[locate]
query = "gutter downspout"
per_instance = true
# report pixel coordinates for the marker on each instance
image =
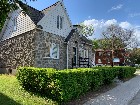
(67, 55)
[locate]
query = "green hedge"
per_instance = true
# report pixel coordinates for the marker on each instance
(126, 72)
(35, 79)
(68, 84)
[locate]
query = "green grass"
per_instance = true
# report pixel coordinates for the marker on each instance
(11, 93)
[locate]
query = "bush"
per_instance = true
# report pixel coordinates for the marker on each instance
(68, 84)
(34, 79)
(126, 72)
(121, 71)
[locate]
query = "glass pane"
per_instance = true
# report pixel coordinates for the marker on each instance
(58, 21)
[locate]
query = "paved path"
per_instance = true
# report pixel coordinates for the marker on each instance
(120, 95)
(136, 100)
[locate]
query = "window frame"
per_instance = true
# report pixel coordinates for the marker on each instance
(51, 50)
(15, 24)
(60, 20)
(100, 61)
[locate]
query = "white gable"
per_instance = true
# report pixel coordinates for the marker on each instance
(24, 24)
(49, 21)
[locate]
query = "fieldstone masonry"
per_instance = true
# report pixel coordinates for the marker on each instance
(33, 49)
(17, 51)
(76, 41)
(42, 46)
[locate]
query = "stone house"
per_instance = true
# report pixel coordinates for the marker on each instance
(44, 38)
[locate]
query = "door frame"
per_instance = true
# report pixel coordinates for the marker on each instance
(75, 53)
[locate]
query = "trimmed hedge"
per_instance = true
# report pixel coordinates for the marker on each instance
(35, 79)
(68, 84)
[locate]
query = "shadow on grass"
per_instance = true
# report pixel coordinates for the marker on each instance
(5, 100)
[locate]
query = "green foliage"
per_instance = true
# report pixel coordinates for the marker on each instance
(4, 9)
(64, 85)
(34, 79)
(122, 72)
(87, 30)
(134, 56)
(126, 72)
(8, 5)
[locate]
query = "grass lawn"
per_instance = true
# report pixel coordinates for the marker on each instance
(11, 93)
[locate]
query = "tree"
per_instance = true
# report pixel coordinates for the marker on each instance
(8, 5)
(134, 56)
(115, 37)
(96, 44)
(87, 30)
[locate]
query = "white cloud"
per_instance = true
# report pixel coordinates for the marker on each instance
(126, 25)
(134, 14)
(109, 22)
(116, 7)
(101, 25)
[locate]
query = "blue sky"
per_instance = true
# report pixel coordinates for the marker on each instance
(126, 13)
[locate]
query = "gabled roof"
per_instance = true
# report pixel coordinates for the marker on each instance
(35, 14)
(86, 40)
(70, 35)
(81, 37)
(49, 8)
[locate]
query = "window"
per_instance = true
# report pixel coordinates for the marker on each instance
(99, 61)
(108, 53)
(55, 51)
(85, 53)
(51, 51)
(59, 22)
(15, 24)
(108, 60)
(100, 53)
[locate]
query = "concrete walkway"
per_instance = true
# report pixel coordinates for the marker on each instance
(136, 100)
(120, 95)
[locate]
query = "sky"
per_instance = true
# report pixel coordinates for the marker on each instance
(99, 13)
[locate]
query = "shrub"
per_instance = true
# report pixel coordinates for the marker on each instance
(34, 79)
(65, 85)
(126, 72)
(69, 84)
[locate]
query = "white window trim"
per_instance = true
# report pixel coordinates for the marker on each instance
(15, 23)
(51, 50)
(60, 22)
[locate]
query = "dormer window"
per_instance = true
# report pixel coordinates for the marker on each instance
(15, 24)
(59, 22)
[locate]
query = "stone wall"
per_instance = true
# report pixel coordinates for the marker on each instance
(31, 48)
(76, 41)
(17, 51)
(42, 42)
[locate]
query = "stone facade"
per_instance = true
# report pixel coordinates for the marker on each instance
(78, 43)
(31, 48)
(17, 51)
(42, 46)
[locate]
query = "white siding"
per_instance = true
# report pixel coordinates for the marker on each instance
(49, 21)
(24, 24)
